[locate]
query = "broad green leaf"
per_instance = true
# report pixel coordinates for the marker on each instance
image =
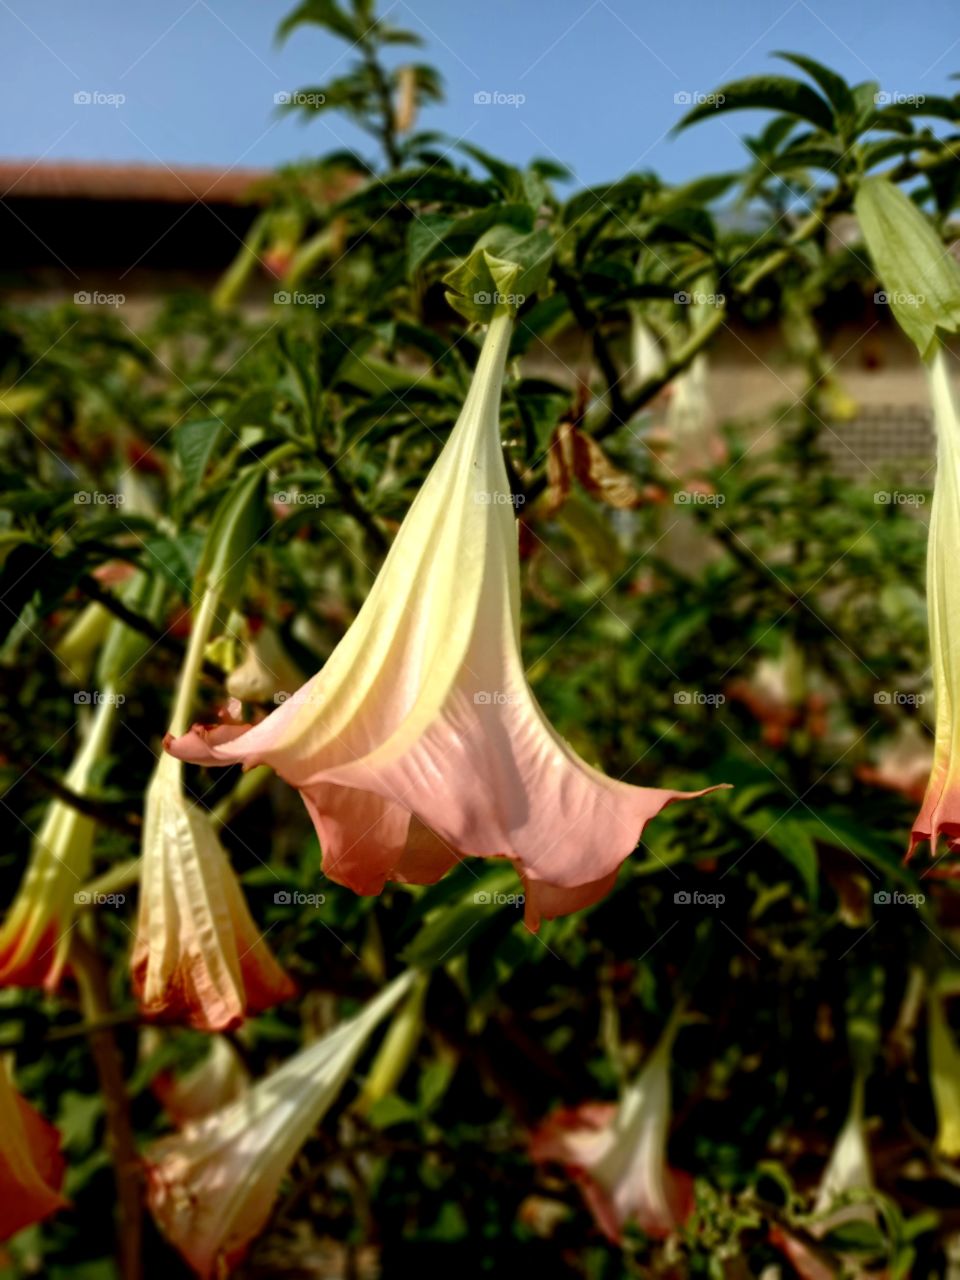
(777, 93)
(234, 531)
(195, 444)
(920, 277)
(833, 85)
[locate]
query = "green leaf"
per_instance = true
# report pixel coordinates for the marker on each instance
(451, 928)
(833, 85)
(777, 93)
(425, 236)
(919, 275)
(234, 531)
(320, 13)
(195, 444)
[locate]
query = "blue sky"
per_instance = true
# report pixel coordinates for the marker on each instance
(599, 77)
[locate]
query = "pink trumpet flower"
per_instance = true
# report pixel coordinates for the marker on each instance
(211, 1187)
(617, 1154)
(420, 739)
(31, 1166)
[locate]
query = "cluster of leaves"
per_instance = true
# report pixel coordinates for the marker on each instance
(629, 605)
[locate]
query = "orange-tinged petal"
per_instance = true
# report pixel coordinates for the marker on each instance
(31, 1167)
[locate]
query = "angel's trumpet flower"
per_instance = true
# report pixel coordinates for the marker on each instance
(618, 1154)
(420, 739)
(212, 1186)
(848, 1172)
(31, 1167)
(940, 812)
(35, 936)
(198, 956)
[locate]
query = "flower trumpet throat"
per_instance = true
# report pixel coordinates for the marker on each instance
(420, 740)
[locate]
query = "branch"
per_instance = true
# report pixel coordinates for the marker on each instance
(95, 1002)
